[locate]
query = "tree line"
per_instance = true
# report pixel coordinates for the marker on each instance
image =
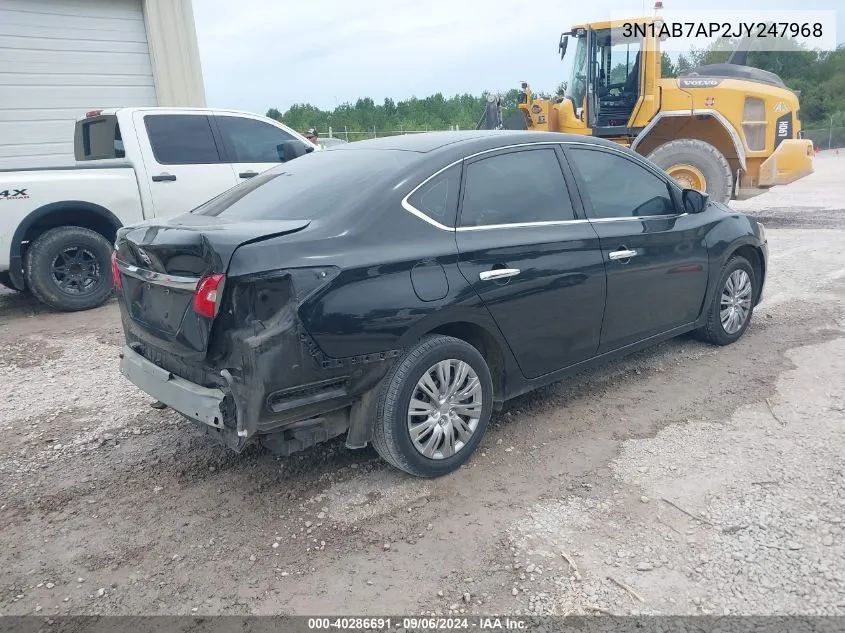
(819, 76)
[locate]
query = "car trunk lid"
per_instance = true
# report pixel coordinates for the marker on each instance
(162, 262)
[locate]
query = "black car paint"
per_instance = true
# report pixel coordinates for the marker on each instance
(395, 277)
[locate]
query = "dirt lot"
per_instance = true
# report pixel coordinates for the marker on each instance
(685, 479)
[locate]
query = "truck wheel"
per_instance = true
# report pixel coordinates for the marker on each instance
(69, 268)
(434, 406)
(696, 164)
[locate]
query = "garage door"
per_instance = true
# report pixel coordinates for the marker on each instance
(59, 59)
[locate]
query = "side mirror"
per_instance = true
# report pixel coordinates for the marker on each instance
(564, 41)
(694, 200)
(288, 150)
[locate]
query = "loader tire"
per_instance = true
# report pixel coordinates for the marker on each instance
(690, 161)
(69, 268)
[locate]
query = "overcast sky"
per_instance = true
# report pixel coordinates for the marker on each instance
(258, 54)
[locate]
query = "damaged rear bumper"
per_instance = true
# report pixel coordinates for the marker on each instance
(201, 404)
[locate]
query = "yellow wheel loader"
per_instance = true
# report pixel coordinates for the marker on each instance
(728, 129)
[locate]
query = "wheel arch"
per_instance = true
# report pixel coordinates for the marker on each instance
(709, 126)
(487, 345)
(67, 213)
(754, 255)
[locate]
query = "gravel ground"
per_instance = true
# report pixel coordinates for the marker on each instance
(685, 479)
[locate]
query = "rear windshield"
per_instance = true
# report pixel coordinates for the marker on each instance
(98, 139)
(314, 185)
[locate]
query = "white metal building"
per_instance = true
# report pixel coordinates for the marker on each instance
(62, 58)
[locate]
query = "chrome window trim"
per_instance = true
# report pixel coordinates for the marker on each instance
(422, 216)
(488, 227)
(160, 279)
(641, 218)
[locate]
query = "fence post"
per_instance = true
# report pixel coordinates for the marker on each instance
(330, 132)
(830, 134)
(346, 133)
(374, 132)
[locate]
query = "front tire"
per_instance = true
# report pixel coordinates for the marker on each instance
(732, 304)
(434, 407)
(69, 268)
(696, 164)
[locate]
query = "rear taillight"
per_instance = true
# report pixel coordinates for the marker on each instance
(207, 295)
(115, 271)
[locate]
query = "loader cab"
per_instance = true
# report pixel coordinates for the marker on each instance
(605, 81)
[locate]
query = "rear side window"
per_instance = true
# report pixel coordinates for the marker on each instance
(620, 188)
(252, 141)
(438, 198)
(517, 187)
(182, 139)
(98, 139)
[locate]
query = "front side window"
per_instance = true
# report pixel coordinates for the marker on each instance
(576, 87)
(182, 139)
(438, 198)
(619, 61)
(252, 141)
(517, 187)
(620, 188)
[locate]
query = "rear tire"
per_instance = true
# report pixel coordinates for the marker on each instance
(69, 268)
(737, 287)
(463, 417)
(704, 158)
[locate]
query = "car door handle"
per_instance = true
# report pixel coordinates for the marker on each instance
(498, 273)
(622, 254)
(164, 178)
(248, 174)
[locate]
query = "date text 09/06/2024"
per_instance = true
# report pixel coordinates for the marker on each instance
(722, 29)
(418, 623)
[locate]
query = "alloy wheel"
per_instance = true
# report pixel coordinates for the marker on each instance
(75, 270)
(735, 305)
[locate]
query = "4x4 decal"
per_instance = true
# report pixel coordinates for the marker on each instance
(14, 194)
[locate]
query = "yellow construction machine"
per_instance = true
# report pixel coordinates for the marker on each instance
(728, 129)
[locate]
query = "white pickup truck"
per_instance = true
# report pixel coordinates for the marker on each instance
(57, 225)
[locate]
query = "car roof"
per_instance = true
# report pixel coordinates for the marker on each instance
(468, 140)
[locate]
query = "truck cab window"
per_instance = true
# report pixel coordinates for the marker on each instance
(617, 79)
(182, 139)
(251, 141)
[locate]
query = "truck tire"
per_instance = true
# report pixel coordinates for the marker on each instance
(696, 164)
(69, 268)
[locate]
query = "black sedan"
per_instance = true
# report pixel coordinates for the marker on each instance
(400, 289)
